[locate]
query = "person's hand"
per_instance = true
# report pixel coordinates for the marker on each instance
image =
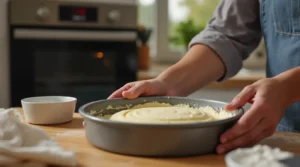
(151, 87)
(269, 98)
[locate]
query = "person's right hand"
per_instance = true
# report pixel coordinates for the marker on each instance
(152, 87)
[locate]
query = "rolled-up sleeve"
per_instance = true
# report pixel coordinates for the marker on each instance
(233, 33)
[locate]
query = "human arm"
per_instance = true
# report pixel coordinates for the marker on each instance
(197, 68)
(215, 54)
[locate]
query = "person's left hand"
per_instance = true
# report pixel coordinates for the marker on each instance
(269, 98)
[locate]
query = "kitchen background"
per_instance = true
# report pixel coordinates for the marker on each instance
(164, 30)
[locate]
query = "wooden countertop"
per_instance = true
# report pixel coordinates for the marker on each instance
(243, 78)
(71, 136)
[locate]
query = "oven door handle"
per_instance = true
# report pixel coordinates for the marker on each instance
(21, 33)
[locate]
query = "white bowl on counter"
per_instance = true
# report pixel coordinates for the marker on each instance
(257, 156)
(45, 110)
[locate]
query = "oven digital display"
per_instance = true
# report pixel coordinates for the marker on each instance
(78, 14)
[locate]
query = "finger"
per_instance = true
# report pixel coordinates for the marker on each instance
(242, 98)
(135, 91)
(252, 100)
(245, 140)
(244, 124)
(118, 93)
(83, 124)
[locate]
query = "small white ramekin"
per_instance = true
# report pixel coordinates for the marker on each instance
(45, 110)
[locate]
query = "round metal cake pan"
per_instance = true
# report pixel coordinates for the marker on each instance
(154, 139)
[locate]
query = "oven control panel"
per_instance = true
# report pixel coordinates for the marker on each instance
(74, 13)
(114, 16)
(78, 13)
(43, 12)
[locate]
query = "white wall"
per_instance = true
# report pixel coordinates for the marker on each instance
(4, 89)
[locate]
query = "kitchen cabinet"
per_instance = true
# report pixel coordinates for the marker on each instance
(4, 72)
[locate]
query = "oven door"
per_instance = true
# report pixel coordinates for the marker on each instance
(88, 65)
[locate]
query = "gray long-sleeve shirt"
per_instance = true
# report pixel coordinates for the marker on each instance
(233, 33)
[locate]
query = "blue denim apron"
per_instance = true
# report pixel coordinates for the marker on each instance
(280, 20)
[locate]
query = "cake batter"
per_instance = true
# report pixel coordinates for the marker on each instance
(166, 113)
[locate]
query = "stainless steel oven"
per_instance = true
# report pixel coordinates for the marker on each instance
(85, 49)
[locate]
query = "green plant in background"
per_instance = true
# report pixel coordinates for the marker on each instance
(184, 32)
(200, 12)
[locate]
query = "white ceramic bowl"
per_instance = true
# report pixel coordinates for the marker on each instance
(257, 156)
(49, 109)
